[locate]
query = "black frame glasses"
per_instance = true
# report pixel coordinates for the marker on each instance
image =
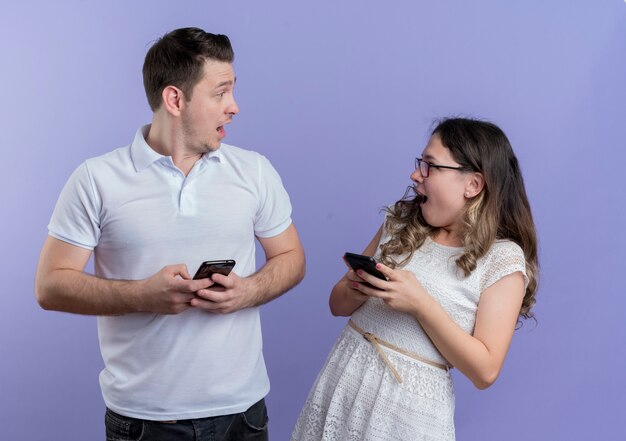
(425, 167)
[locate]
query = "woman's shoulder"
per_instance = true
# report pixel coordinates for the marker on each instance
(504, 257)
(501, 246)
(502, 252)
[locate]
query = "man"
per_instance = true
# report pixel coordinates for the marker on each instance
(183, 358)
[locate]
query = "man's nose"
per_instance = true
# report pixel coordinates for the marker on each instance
(233, 108)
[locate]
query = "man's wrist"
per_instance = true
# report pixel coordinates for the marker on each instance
(135, 298)
(252, 291)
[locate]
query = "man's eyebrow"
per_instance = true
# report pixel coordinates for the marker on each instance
(226, 83)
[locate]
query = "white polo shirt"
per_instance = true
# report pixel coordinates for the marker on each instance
(139, 213)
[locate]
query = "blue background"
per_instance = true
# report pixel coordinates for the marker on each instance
(340, 96)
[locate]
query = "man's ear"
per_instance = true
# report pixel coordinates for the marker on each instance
(173, 100)
(475, 185)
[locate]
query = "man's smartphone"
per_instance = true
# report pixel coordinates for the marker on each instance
(365, 263)
(210, 267)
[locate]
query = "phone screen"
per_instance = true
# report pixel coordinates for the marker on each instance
(365, 263)
(210, 267)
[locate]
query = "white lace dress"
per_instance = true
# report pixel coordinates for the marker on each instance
(357, 398)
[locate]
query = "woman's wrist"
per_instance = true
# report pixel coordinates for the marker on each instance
(421, 305)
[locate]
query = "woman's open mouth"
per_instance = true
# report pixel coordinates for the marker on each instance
(420, 197)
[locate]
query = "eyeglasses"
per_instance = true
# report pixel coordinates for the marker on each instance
(425, 167)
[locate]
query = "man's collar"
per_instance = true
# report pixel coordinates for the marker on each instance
(141, 153)
(214, 155)
(143, 156)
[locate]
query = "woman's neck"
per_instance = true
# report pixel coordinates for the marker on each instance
(447, 237)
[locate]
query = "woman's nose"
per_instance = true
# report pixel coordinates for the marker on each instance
(417, 176)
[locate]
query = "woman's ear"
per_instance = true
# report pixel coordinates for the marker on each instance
(474, 185)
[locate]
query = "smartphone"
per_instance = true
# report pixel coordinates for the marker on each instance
(365, 263)
(210, 267)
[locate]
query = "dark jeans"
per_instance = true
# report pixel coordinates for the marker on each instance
(250, 425)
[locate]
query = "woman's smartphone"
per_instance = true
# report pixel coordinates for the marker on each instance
(365, 263)
(210, 267)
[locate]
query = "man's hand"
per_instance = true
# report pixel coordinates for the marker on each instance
(234, 294)
(284, 267)
(170, 291)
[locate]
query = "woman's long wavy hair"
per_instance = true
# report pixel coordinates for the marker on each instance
(500, 211)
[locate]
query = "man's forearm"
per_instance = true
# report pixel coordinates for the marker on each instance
(277, 276)
(80, 293)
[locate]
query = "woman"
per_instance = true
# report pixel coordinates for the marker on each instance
(460, 258)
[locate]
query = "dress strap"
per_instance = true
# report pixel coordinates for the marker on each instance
(377, 343)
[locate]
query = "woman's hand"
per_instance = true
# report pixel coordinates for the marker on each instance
(344, 299)
(401, 291)
(354, 280)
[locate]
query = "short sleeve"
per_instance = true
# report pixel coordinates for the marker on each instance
(76, 217)
(274, 213)
(504, 258)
